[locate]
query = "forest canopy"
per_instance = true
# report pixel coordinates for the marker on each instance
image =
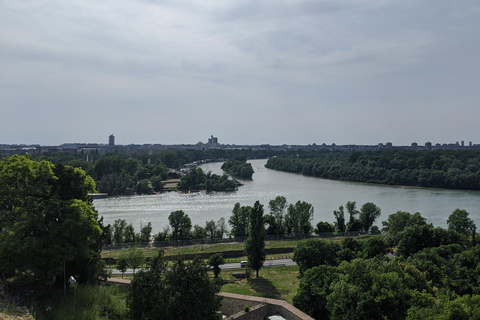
(449, 169)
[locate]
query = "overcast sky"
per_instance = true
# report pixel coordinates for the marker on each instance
(248, 72)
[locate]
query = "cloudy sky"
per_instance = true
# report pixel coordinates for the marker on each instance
(248, 72)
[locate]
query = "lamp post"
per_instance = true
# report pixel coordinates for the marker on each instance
(73, 282)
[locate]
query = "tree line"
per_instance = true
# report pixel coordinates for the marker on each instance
(452, 169)
(118, 173)
(283, 218)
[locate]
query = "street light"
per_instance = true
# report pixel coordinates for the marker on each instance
(73, 282)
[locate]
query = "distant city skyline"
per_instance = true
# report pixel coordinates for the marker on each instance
(214, 140)
(278, 72)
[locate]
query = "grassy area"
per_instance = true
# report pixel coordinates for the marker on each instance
(92, 303)
(276, 283)
(170, 184)
(213, 248)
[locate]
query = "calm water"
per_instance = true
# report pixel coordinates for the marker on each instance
(325, 195)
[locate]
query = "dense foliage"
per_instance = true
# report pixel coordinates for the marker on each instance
(181, 291)
(452, 169)
(196, 179)
(239, 167)
(48, 225)
(435, 275)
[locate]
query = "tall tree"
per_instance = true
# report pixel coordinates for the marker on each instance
(145, 232)
(299, 218)
(278, 206)
(239, 220)
(119, 230)
(368, 214)
(181, 225)
(255, 244)
(354, 224)
(47, 222)
(461, 223)
(211, 228)
(305, 213)
(340, 217)
(221, 227)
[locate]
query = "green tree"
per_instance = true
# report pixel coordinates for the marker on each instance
(415, 238)
(324, 227)
(461, 223)
(314, 252)
(119, 230)
(130, 236)
(375, 246)
(368, 214)
(181, 225)
(221, 227)
(48, 225)
(255, 244)
(157, 183)
(314, 289)
(239, 220)
(340, 217)
(299, 218)
(354, 224)
(277, 207)
(397, 222)
(211, 229)
(199, 232)
(375, 289)
(133, 257)
(215, 261)
(122, 264)
(145, 232)
(183, 291)
(143, 187)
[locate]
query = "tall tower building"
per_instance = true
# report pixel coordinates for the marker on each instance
(111, 140)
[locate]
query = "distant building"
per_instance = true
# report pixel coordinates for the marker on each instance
(212, 143)
(111, 140)
(213, 140)
(428, 146)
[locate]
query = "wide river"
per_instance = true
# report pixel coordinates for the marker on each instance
(325, 196)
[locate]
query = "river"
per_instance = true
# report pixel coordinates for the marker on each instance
(325, 196)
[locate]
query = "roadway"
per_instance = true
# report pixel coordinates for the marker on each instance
(230, 266)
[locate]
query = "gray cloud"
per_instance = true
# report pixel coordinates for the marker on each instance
(246, 71)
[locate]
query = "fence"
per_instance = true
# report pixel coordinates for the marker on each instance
(191, 242)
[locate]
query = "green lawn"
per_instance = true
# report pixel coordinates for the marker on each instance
(276, 283)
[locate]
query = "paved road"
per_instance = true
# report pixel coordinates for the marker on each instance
(231, 266)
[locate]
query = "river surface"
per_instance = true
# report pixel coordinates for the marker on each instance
(325, 196)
